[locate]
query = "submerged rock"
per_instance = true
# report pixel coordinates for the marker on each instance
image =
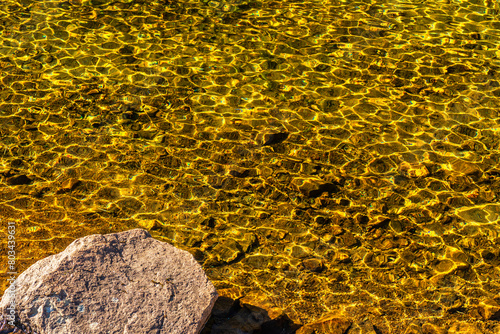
(332, 324)
(116, 283)
(270, 139)
(315, 188)
(19, 180)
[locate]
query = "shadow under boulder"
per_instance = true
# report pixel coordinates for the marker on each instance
(231, 316)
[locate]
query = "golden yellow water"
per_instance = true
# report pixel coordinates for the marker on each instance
(317, 157)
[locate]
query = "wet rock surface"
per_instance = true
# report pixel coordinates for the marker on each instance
(126, 282)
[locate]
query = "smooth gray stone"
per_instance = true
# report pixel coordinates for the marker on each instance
(127, 283)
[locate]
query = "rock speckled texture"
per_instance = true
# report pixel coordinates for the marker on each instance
(127, 283)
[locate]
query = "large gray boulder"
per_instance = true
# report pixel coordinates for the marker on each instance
(127, 283)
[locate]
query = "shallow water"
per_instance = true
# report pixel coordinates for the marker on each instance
(317, 157)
